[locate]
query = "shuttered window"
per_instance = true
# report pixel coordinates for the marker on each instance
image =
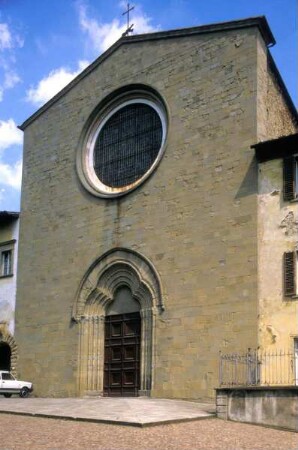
(290, 183)
(290, 269)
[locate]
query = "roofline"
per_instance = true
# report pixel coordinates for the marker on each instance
(9, 215)
(260, 22)
(280, 81)
(276, 148)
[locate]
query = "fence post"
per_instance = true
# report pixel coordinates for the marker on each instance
(220, 368)
(248, 359)
(259, 359)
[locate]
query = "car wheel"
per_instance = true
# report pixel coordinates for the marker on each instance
(7, 395)
(24, 392)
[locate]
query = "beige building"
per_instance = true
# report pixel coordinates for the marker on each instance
(278, 244)
(9, 235)
(144, 244)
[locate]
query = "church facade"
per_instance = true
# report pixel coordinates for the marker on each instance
(139, 242)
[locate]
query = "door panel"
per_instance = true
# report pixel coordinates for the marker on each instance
(122, 355)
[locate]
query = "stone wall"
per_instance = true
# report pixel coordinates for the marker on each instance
(274, 117)
(195, 218)
(275, 407)
(280, 120)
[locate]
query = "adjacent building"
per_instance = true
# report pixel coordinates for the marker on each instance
(278, 243)
(9, 234)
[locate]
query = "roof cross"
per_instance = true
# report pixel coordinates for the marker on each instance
(129, 28)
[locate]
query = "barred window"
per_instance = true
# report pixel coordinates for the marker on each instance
(127, 145)
(124, 143)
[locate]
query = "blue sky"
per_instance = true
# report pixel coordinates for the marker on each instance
(44, 44)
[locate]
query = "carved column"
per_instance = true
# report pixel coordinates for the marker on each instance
(91, 354)
(146, 351)
(83, 355)
(97, 356)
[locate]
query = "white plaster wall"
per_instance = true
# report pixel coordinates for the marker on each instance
(277, 233)
(8, 285)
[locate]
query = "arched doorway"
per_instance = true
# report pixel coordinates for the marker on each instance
(5, 356)
(120, 283)
(8, 350)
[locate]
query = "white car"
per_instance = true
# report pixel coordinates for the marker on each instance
(9, 385)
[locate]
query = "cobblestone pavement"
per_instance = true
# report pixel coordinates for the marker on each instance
(24, 433)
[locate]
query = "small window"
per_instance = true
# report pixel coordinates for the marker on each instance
(6, 258)
(290, 178)
(290, 274)
(6, 263)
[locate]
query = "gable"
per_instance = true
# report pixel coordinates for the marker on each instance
(258, 22)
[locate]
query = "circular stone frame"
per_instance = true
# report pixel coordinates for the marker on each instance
(98, 119)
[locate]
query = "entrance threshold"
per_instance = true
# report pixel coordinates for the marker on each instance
(138, 411)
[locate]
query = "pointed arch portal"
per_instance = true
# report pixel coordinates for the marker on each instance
(115, 271)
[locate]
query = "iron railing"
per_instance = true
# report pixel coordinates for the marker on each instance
(259, 368)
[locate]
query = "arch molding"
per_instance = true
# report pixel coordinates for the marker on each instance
(116, 268)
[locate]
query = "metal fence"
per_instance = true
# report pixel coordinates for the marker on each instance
(259, 368)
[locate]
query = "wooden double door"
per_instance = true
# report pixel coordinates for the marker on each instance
(122, 355)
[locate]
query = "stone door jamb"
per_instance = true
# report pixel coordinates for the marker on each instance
(117, 268)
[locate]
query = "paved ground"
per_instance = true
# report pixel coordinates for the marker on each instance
(130, 411)
(32, 433)
(26, 432)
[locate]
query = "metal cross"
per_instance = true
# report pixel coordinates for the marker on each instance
(129, 28)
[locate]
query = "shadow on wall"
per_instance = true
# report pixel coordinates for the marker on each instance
(249, 185)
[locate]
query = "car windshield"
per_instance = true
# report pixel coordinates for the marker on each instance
(7, 376)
